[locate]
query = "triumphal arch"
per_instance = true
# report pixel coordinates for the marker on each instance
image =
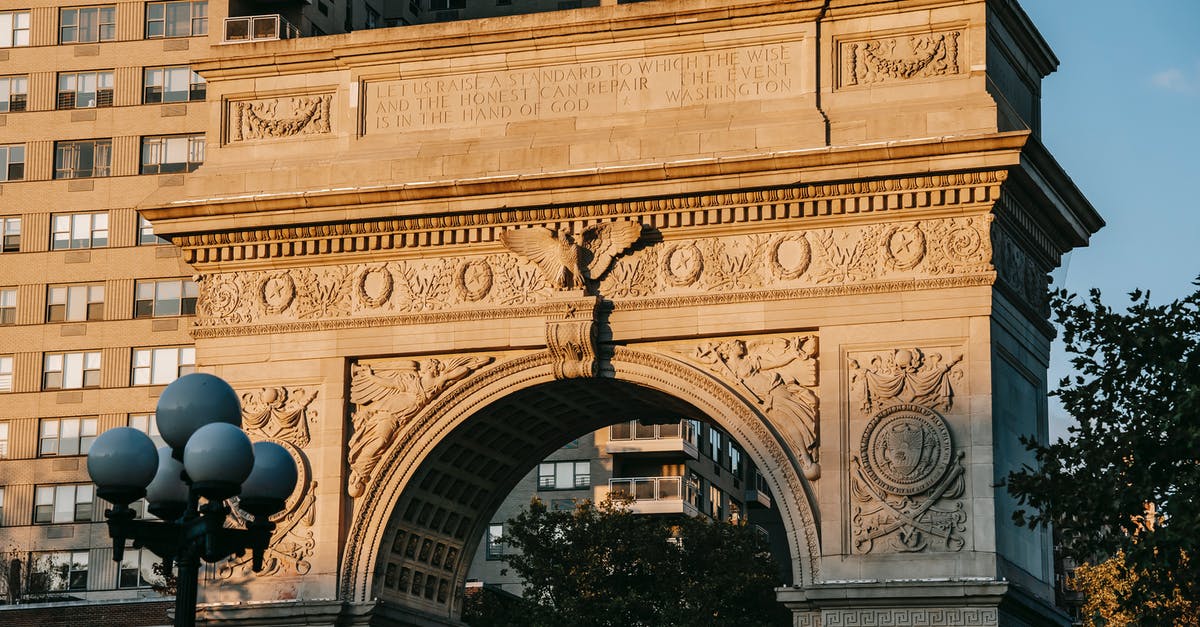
(429, 256)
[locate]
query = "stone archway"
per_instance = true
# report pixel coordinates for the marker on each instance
(406, 506)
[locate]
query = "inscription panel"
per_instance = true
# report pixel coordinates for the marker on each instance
(600, 88)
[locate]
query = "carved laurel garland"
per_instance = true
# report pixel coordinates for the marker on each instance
(901, 57)
(766, 205)
(786, 265)
(276, 118)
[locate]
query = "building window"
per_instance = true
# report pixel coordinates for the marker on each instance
(62, 503)
(79, 230)
(12, 162)
(66, 436)
(6, 375)
(85, 25)
(172, 84)
(82, 159)
(174, 153)
(74, 303)
(57, 571)
(8, 306)
(495, 541)
(186, 18)
(2, 499)
(564, 475)
(155, 299)
(160, 366)
(148, 424)
(714, 445)
(137, 569)
(70, 371)
(3, 448)
(14, 93)
(146, 233)
(85, 90)
(14, 29)
(12, 235)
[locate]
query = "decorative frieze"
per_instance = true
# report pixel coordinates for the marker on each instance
(900, 57)
(906, 617)
(387, 394)
(568, 262)
(863, 257)
(277, 118)
(907, 478)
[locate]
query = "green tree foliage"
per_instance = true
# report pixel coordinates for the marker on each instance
(601, 565)
(1136, 397)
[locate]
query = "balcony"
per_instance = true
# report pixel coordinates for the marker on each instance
(251, 28)
(657, 495)
(635, 436)
(757, 493)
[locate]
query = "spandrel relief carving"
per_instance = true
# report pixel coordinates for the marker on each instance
(907, 478)
(275, 118)
(281, 415)
(777, 374)
(854, 259)
(387, 394)
(899, 58)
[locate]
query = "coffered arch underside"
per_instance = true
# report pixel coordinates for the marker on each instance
(646, 378)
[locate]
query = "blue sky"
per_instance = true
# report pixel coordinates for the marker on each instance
(1122, 116)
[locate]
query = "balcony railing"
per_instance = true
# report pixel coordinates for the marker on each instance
(634, 436)
(657, 495)
(251, 28)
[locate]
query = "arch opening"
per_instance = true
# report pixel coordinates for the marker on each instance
(434, 500)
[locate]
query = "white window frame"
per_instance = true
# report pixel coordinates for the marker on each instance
(172, 84)
(138, 563)
(75, 303)
(66, 437)
(3, 447)
(551, 474)
(12, 235)
(98, 30)
(10, 88)
(47, 509)
(60, 569)
(82, 158)
(84, 90)
(165, 298)
(160, 365)
(146, 236)
(167, 154)
(14, 29)
(156, 19)
(495, 542)
(8, 306)
(148, 424)
(78, 230)
(75, 370)
(12, 162)
(6, 373)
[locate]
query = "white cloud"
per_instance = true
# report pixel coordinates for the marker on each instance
(1177, 80)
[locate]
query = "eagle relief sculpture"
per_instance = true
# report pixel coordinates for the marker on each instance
(568, 262)
(388, 395)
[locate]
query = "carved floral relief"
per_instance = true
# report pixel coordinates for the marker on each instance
(386, 395)
(282, 415)
(901, 57)
(276, 118)
(780, 376)
(907, 478)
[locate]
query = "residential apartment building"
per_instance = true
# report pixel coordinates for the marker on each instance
(685, 468)
(99, 108)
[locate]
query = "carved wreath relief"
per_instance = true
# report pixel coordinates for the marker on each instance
(275, 118)
(544, 263)
(387, 395)
(906, 477)
(282, 415)
(902, 57)
(779, 375)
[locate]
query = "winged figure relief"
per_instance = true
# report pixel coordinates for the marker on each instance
(567, 261)
(388, 395)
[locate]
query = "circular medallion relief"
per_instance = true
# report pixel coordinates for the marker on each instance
(963, 244)
(474, 279)
(905, 247)
(222, 297)
(906, 449)
(682, 264)
(375, 286)
(278, 291)
(789, 256)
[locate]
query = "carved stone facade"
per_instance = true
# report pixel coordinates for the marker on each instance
(907, 476)
(900, 57)
(276, 118)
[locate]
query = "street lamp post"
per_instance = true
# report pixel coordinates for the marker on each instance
(188, 484)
